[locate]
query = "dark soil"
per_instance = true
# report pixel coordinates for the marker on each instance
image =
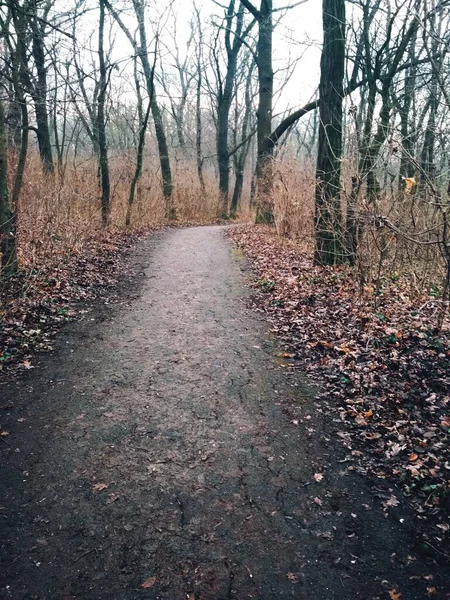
(166, 449)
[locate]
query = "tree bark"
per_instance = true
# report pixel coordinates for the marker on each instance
(7, 216)
(101, 122)
(328, 218)
(39, 93)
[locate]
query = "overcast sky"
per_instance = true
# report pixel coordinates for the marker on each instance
(297, 36)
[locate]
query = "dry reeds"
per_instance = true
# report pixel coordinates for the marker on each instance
(57, 215)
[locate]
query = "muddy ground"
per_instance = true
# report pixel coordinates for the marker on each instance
(167, 450)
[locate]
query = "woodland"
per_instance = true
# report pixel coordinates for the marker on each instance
(118, 117)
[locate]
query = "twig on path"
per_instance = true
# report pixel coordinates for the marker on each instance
(436, 550)
(85, 554)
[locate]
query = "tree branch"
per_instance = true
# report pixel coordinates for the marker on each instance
(251, 9)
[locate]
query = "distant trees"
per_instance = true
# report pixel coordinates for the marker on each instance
(109, 80)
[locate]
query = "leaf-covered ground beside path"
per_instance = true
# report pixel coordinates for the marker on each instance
(383, 370)
(35, 303)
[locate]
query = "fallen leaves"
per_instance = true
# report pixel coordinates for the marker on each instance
(150, 582)
(293, 578)
(395, 594)
(42, 298)
(392, 502)
(445, 422)
(99, 487)
(383, 369)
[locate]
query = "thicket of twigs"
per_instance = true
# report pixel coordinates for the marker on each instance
(403, 237)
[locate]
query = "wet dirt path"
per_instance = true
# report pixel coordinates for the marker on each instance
(164, 442)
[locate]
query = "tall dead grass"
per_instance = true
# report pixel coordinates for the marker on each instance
(61, 216)
(294, 186)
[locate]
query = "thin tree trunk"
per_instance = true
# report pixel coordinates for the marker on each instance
(224, 101)
(240, 157)
(101, 122)
(139, 162)
(7, 216)
(198, 133)
(156, 112)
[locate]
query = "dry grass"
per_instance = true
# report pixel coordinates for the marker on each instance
(294, 198)
(403, 245)
(60, 216)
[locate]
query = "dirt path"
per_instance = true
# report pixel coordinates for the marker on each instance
(165, 442)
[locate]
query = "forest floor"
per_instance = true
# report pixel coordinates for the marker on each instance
(170, 447)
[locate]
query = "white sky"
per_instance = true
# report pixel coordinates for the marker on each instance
(297, 36)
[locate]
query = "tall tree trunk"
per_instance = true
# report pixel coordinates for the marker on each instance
(265, 76)
(264, 161)
(7, 216)
(407, 125)
(40, 93)
(198, 131)
(264, 172)
(18, 76)
(225, 99)
(101, 122)
(161, 140)
(328, 218)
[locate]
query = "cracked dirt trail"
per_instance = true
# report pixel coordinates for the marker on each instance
(154, 445)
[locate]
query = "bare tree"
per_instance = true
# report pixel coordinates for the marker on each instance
(8, 247)
(100, 122)
(329, 239)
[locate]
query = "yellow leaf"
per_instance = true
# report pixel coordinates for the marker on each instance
(395, 594)
(445, 422)
(410, 184)
(4, 433)
(413, 456)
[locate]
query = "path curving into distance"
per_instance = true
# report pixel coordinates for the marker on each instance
(166, 443)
